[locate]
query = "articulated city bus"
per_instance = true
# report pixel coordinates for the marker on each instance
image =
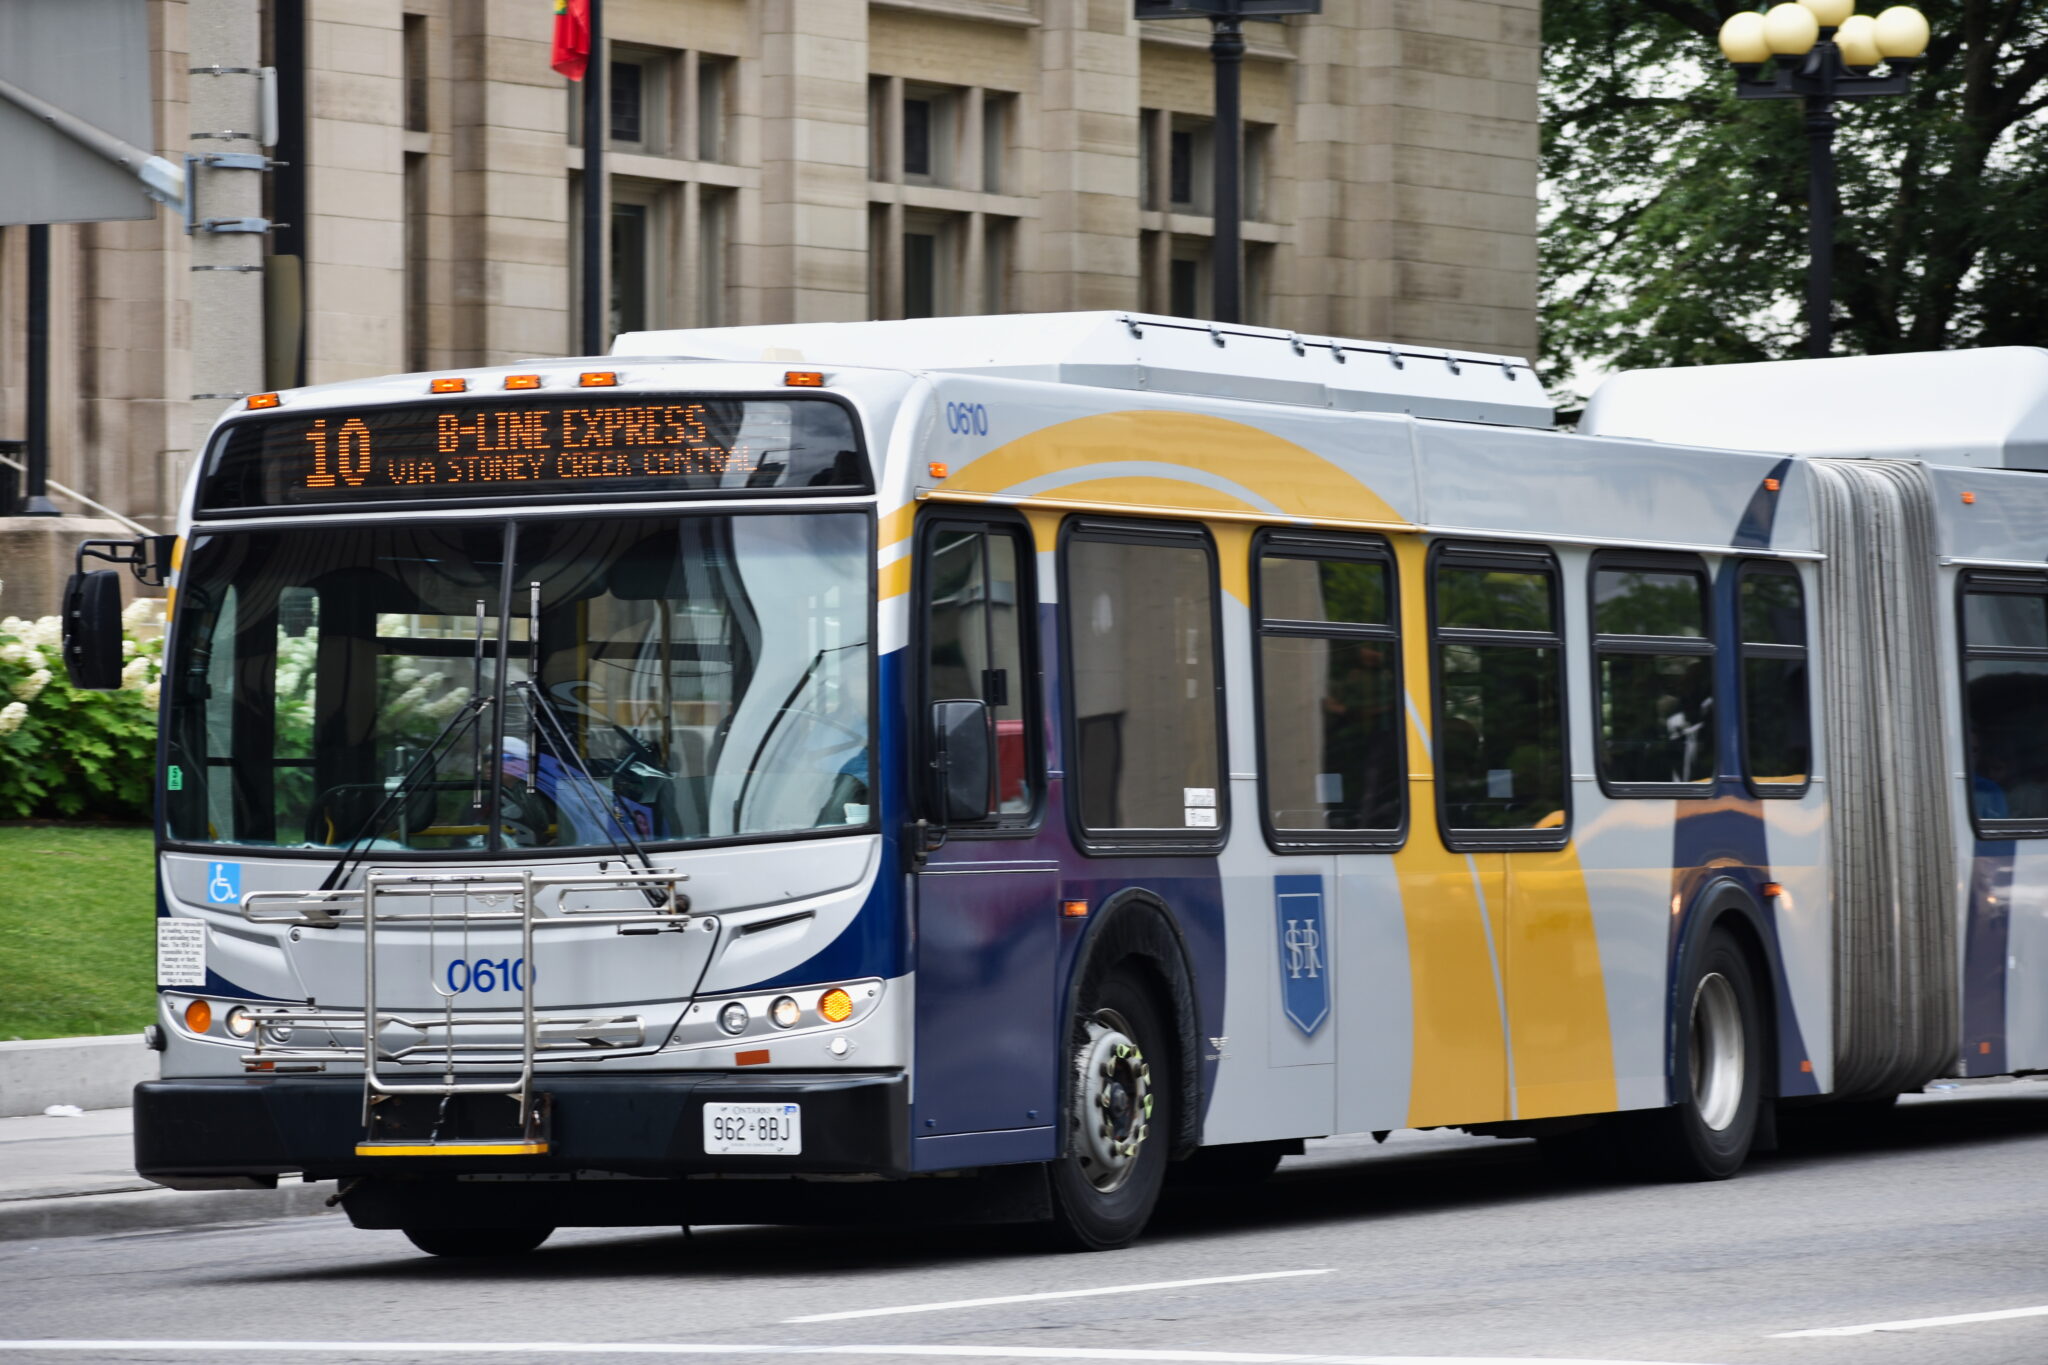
(974, 765)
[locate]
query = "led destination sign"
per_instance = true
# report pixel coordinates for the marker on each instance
(560, 445)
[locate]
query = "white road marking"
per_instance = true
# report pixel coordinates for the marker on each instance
(1054, 1294)
(1912, 1324)
(710, 1348)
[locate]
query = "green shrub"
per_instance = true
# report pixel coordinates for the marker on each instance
(69, 754)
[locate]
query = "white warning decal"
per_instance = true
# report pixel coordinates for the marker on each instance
(180, 952)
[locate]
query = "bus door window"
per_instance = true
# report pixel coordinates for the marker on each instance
(1140, 616)
(1777, 735)
(1653, 671)
(1500, 734)
(978, 643)
(2005, 702)
(1330, 721)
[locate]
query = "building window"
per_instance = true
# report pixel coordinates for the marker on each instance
(917, 137)
(632, 253)
(920, 274)
(1187, 279)
(1330, 704)
(1653, 666)
(2005, 701)
(1140, 611)
(417, 266)
(628, 104)
(1500, 739)
(978, 645)
(1777, 737)
(1257, 172)
(1190, 162)
(414, 39)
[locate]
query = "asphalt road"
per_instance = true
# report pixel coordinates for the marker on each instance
(1434, 1246)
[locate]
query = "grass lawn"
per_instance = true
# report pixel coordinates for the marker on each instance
(77, 931)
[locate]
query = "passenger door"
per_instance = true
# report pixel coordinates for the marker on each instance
(987, 912)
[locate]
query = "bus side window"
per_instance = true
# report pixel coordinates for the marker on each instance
(1331, 762)
(1777, 733)
(977, 645)
(1500, 738)
(1653, 676)
(1140, 607)
(2005, 702)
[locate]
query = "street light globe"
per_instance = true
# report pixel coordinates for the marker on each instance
(1830, 13)
(1902, 32)
(1857, 38)
(1742, 39)
(1790, 29)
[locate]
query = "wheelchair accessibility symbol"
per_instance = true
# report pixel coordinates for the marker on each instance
(224, 884)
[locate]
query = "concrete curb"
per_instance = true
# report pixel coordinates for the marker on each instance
(88, 1215)
(92, 1073)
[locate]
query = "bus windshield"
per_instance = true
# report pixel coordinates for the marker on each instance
(698, 677)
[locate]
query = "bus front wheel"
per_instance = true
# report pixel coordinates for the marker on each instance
(1106, 1185)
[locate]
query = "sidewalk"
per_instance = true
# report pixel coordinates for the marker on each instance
(75, 1177)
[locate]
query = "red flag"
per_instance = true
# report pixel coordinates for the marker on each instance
(572, 38)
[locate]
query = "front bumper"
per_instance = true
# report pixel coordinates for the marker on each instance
(212, 1129)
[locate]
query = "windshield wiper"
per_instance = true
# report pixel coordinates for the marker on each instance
(618, 831)
(426, 763)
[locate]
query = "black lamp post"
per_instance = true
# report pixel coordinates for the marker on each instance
(1226, 53)
(1823, 52)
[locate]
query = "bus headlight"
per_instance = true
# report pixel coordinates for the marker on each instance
(241, 1023)
(785, 1012)
(733, 1018)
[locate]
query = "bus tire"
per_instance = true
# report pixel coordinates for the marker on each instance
(1119, 1121)
(1717, 1072)
(477, 1242)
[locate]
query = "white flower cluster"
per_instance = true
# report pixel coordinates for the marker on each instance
(45, 632)
(11, 716)
(31, 687)
(135, 674)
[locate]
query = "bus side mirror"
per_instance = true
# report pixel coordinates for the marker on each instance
(963, 760)
(92, 630)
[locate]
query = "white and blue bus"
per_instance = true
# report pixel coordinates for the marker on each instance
(974, 765)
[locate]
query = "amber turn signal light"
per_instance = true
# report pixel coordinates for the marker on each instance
(836, 1006)
(199, 1016)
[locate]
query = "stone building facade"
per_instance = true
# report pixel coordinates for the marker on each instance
(810, 160)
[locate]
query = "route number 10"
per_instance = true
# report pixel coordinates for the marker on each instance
(353, 450)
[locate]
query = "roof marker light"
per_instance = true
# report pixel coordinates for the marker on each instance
(457, 385)
(804, 379)
(522, 381)
(262, 400)
(598, 379)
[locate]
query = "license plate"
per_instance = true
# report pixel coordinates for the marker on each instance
(753, 1129)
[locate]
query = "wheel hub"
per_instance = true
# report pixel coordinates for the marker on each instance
(1718, 1053)
(1115, 1101)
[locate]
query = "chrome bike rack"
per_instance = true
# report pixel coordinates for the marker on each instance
(500, 897)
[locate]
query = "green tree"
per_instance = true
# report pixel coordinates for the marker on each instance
(1675, 216)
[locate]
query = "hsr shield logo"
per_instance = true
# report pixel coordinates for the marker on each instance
(1304, 961)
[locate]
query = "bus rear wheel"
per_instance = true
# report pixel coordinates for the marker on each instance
(477, 1242)
(1718, 1073)
(1106, 1185)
